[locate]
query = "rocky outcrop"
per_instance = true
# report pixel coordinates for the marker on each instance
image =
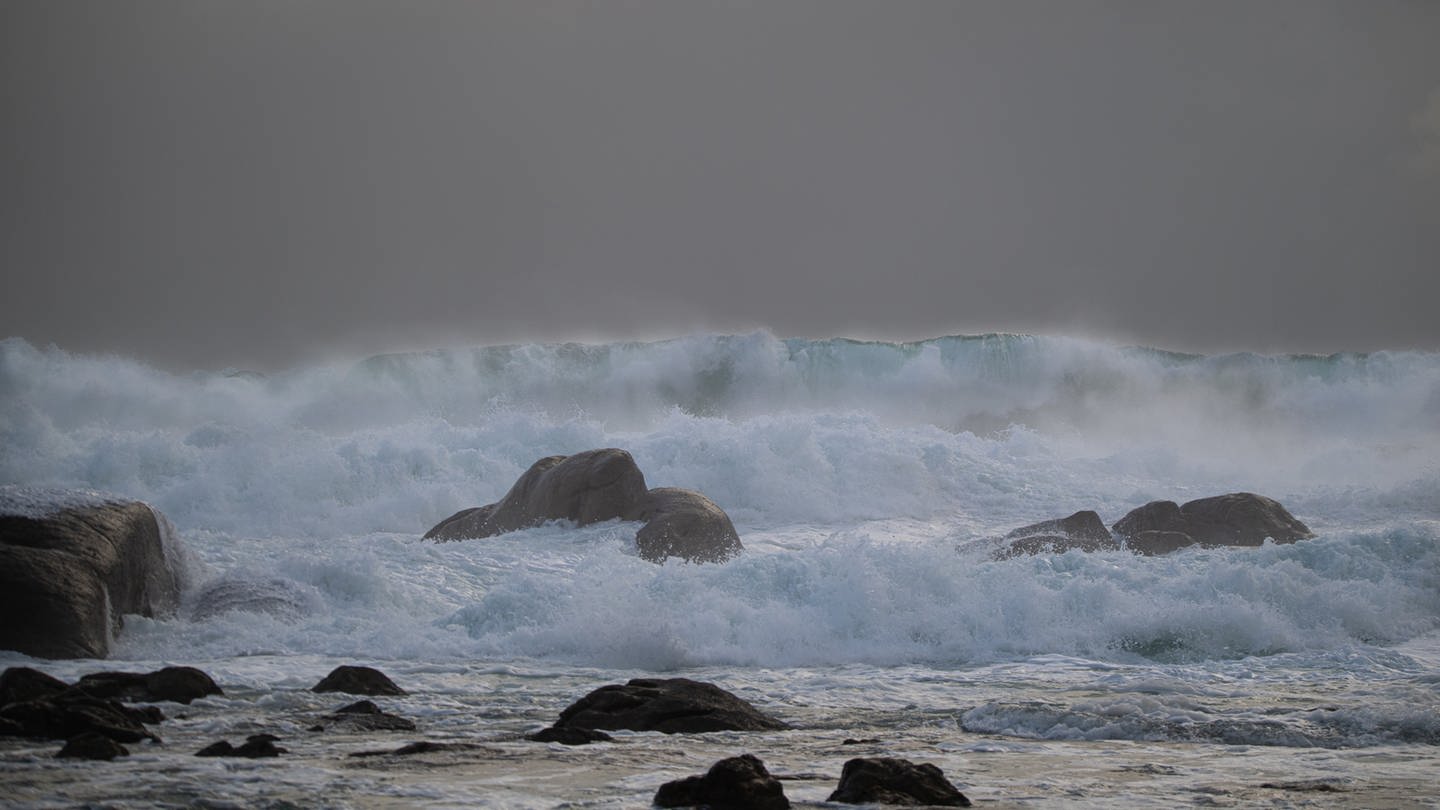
(1082, 530)
(736, 783)
(354, 680)
(599, 485)
(178, 684)
(73, 564)
(73, 713)
(585, 488)
(672, 706)
(891, 781)
(683, 523)
(1160, 527)
(1236, 519)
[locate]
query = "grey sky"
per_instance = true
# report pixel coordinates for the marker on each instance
(252, 183)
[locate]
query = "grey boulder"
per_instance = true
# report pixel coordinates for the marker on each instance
(683, 523)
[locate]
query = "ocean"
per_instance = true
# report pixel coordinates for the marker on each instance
(865, 479)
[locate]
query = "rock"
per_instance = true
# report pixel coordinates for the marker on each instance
(19, 684)
(421, 747)
(256, 746)
(73, 564)
(683, 523)
(73, 713)
(177, 684)
(366, 716)
(1083, 531)
(736, 783)
(585, 488)
(92, 746)
(886, 780)
(569, 736)
(357, 681)
(601, 485)
(272, 597)
(1236, 519)
(672, 706)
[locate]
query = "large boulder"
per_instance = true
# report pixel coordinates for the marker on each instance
(177, 684)
(1083, 531)
(1236, 519)
(683, 523)
(586, 488)
(893, 781)
(734, 783)
(671, 706)
(73, 563)
(599, 485)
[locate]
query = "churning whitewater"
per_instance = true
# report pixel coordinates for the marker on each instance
(865, 479)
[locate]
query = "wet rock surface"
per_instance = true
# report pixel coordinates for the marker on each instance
(736, 783)
(893, 781)
(356, 680)
(672, 706)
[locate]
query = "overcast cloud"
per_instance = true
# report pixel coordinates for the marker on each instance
(253, 183)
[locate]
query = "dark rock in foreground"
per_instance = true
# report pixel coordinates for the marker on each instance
(366, 716)
(256, 746)
(672, 706)
(599, 485)
(421, 747)
(19, 684)
(1236, 519)
(354, 680)
(886, 780)
(74, 713)
(178, 684)
(736, 783)
(74, 571)
(569, 736)
(92, 746)
(1082, 530)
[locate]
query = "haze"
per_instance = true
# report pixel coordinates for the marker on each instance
(204, 184)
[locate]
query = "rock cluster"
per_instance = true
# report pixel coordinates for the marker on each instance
(599, 485)
(36, 705)
(1160, 527)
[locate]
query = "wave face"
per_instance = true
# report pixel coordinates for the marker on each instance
(858, 474)
(780, 431)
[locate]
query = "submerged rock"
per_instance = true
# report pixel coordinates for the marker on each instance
(91, 745)
(598, 485)
(355, 680)
(1083, 531)
(736, 783)
(887, 780)
(1236, 519)
(73, 713)
(366, 716)
(256, 746)
(569, 736)
(73, 563)
(177, 684)
(672, 706)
